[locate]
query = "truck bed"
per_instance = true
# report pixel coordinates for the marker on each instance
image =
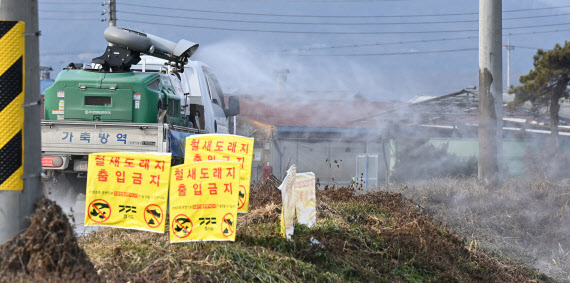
(84, 137)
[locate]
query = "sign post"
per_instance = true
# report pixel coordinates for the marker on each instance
(20, 173)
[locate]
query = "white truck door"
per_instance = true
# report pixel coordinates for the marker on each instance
(217, 102)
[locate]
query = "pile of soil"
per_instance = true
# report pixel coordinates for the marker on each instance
(46, 251)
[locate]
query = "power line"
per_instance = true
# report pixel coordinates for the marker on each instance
(296, 23)
(536, 9)
(70, 3)
(526, 47)
(329, 23)
(64, 19)
(302, 32)
(536, 16)
(331, 16)
(290, 15)
(538, 26)
(379, 44)
(335, 32)
(71, 12)
(307, 23)
(69, 53)
(537, 32)
(412, 41)
(390, 54)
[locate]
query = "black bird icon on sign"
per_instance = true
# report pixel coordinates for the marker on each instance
(101, 205)
(154, 212)
(95, 212)
(180, 222)
(230, 222)
(241, 195)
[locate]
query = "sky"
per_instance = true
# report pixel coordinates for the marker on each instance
(382, 50)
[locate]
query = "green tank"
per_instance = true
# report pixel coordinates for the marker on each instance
(136, 97)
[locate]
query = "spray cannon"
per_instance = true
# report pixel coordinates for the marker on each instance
(127, 45)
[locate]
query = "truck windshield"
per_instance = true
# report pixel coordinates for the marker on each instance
(214, 88)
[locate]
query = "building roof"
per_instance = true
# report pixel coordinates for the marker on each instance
(291, 111)
(45, 84)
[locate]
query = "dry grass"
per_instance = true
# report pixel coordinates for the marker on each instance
(523, 220)
(357, 237)
(369, 237)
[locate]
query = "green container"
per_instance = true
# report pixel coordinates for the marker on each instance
(83, 95)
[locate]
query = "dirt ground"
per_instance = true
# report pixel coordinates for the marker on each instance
(379, 236)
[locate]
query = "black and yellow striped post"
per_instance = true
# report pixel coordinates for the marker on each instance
(11, 100)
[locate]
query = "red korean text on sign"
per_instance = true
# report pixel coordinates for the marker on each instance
(120, 176)
(115, 161)
(219, 146)
(232, 146)
(231, 172)
(191, 174)
(99, 160)
(207, 145)
(155, 180)
(102, 175)
(144, 163)
(197, 189)
(179, 174)
(195, 144)
(244, 148)
(218, 172)
(129, 162)
(204, 173)
(159, 165)
(229, 188)
(241, 160)
(137, 178)
(182, 190)
(213, 188)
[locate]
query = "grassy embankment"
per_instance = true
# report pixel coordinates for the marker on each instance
(371, 237)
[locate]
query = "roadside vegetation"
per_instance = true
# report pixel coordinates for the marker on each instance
(377, 236)
(524, 220)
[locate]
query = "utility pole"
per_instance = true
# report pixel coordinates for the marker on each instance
(490, 90)
(509, 47)
(17, 205)
(112, 11)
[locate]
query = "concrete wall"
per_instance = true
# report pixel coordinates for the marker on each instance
(333, 162)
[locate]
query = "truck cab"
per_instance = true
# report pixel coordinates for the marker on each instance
(202, 93)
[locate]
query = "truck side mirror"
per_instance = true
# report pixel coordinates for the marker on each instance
(233, 109)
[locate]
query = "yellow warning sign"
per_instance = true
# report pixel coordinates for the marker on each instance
(226, 148)
(127, 190)
(203, 201)
(11, 100)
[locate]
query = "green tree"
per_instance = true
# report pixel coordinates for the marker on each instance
(546, 84)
